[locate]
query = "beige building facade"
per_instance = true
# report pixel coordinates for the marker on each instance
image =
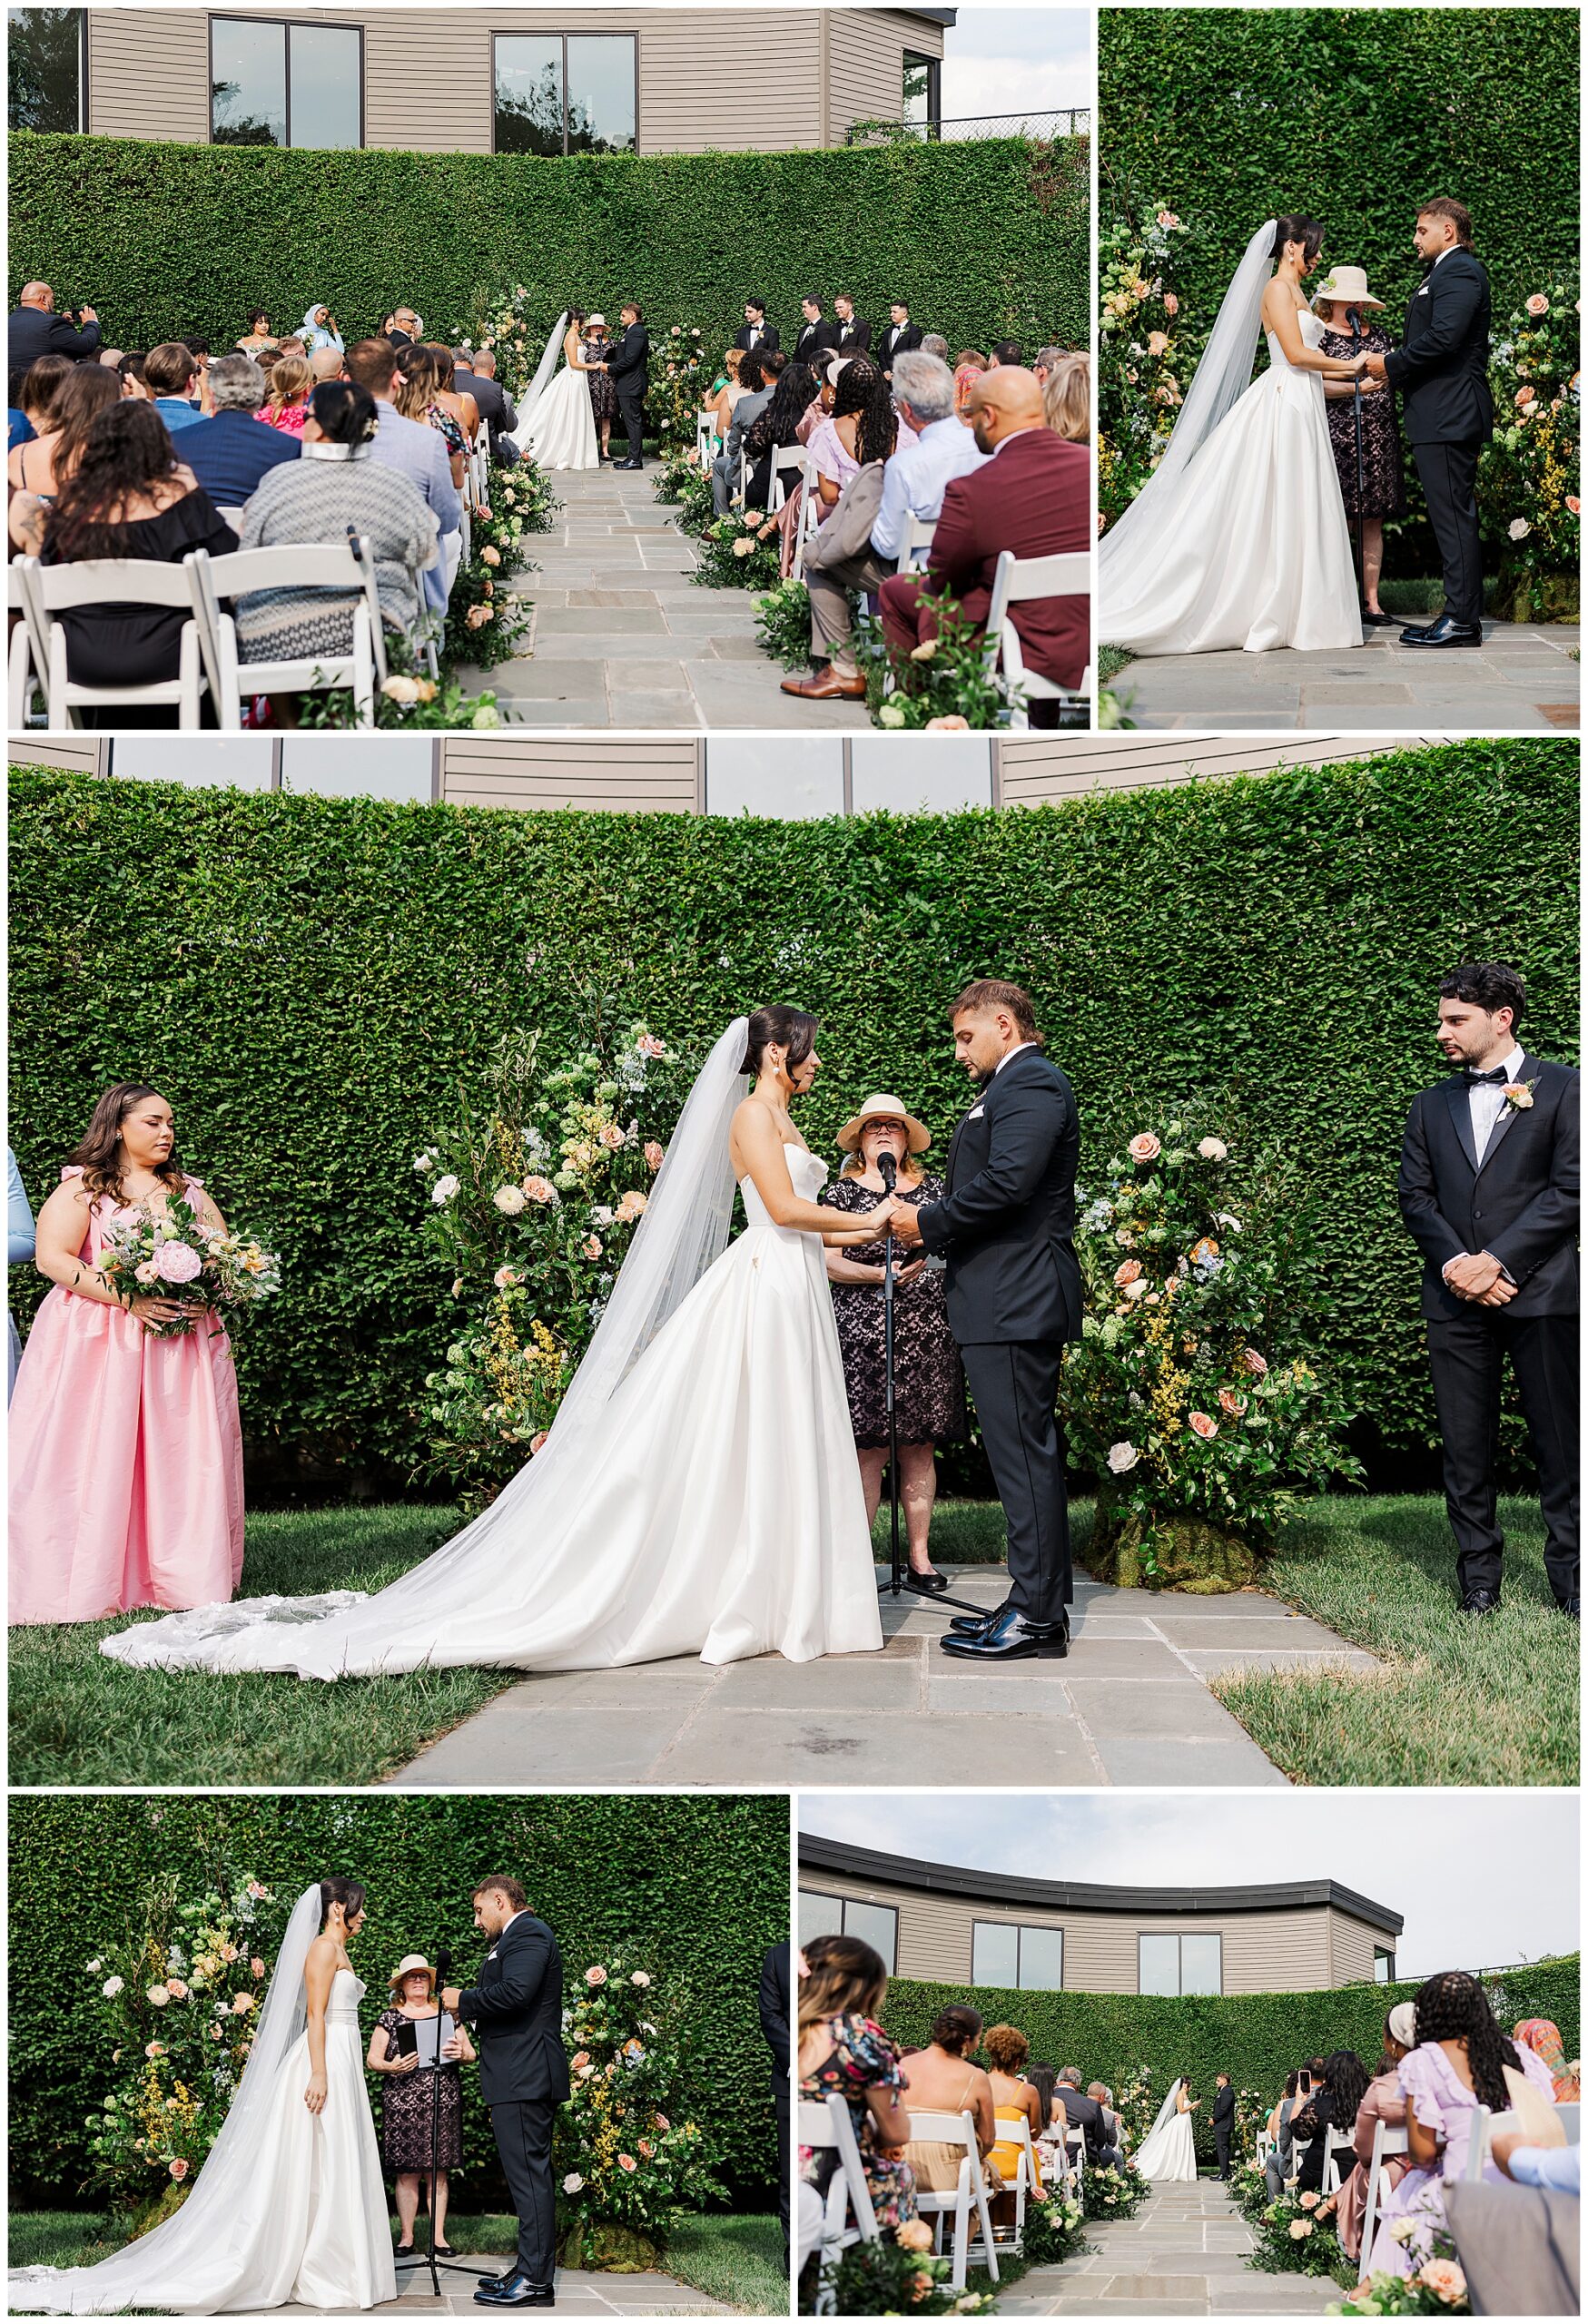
(947, 1925)
(754, 78)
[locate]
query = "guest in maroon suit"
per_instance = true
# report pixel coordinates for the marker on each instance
(1032, 498)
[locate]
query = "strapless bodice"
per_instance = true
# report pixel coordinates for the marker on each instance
(346, 1992)
(1311, 330)
(807, 1174)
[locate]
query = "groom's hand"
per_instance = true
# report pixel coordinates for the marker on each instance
(1374, 366)
(906, 1226)
(449, 1998)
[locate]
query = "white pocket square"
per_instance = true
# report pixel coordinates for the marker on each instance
(1424, 291)
(492, 1954)
(975, 1113)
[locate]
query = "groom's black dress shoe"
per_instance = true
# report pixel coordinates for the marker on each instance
(628, 464)
(513, 2291)
(1012, 1638)
(1480, 1601)
(973, 1625)
(1445, 632)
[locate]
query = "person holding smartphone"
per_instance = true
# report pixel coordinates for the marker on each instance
(420, 2128)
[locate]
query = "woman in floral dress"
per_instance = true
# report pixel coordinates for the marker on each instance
(843, 2050)
(603, 388)
(1384, 482)
(420, 2123)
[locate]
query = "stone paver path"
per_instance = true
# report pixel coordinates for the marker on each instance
(578, 2293)
(622, 638)
(1523, 681)
(1183, 2254)
(1131, 1705)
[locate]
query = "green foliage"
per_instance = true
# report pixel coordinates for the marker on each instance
(1530, 478)
(1297, 2236)
(739, 551)
(782, 617)
(1148, 351)
(1114, 2191)
(1056, 2227)
(314, 983)
(941, 685)
(885, 2279)
(987, 239)
(1256, 2038)
(695, 1887)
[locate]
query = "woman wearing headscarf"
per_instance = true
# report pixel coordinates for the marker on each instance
(319, 329)
(1542, 2038)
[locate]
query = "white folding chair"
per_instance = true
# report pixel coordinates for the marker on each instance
(1340, 2143)
(1300, 2151)
(918, 533)
(1027, 2181)
(341, 565)
(1385, 2141)
(234, 518)
(1570, 2114)
(708, 444)
(1015, 581)
(1477, 2151)
(54, 589)
(939, 2205)
(28, 661)
(1265, 2146)
(825, 2123)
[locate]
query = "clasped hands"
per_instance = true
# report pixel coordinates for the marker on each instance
(1479, 1279)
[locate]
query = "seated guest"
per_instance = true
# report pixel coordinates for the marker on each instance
(934, 343)
(294, 344)
(1034, 497)
(318, 330)
(227, 453)
(403, 328)
(1067, 398)
(757, 390)
(859, 428)
(1051, 2151)
(902, 337)
(41, 384)
(1277, 2171)
(932, 449)
(421, 2118)
(1460, 2063)
(755, 335)
(287, 401)
(258, 333)
(1518, 2239)
(326, 363)
(133, 377)
(332, 489)
(1382, 2102)
(130, 496)
(18, 429)
(451, 398)
(843, 2050)
(930, 1386)
(34, 329)
(1084, 2113)
(477, 378)
(1047, 359)
(173, 378)
(38, 470)
(727, 392)
(775, 428)
(417, 451)
(1013, 2099)
(1007, 353)
(420, 398)
(969, 367)
(1331, 2106)
(1542, 2038)
(940, 2080)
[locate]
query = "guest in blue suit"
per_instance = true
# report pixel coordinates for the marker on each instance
(230, 453)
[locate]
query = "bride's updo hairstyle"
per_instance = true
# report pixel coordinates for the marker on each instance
(340, 1890)
(789, 1029)
(1304, 230)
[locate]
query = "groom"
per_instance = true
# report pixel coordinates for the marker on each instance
(517, 2009)
(1449, 413)
(1005, 1228)
(628, 364)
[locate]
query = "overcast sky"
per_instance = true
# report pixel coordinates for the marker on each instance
(1016, 59)
(1485, 1878)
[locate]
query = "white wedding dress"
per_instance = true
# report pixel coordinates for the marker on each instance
(289, 2206)
(1240, 538)
(699, 1492)
(558, 429)
(1169, 2151)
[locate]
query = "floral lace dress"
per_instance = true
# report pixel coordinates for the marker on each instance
(928, 1381)
(861, 2059)
(1384, 482)
(406, 2106)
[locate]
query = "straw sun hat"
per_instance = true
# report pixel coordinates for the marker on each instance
(1346, 284)
(883, 1108)
(406, 1967)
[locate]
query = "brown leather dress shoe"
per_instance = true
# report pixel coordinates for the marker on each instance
(829, 685)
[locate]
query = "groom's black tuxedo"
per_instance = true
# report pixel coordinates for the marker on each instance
(517, 2009)
(628, 366)
(1223, 2125)
(1441, 373)
(1006, 1227)
(1519, 1204)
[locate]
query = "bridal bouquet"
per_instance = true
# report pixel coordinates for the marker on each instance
(1194, 1393)
(173, 1254)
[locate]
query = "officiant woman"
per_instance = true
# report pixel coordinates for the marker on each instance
(416, 2120)
(929, 1386)
(1384, 482)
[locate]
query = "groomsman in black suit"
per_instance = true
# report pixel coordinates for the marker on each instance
(516, 2010)
(1006, 1228)
(901, 337)
(855, 338)
(755, 330)
(816, 337)
(1442, 374)
(1488, 1192)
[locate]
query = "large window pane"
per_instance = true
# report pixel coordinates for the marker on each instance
(1201, 1964)
(529, 94)
(44, 66)
(396, 766)
(601, 77)
(874, 1925)
(248, 89)
(325, 85)
(819, 1916)
(1160, 1965)
(994, 1950)
(1383, 1966)
(1041, 1959)
(793, 778)
(936, 775)
(238, 763)
(922, 82)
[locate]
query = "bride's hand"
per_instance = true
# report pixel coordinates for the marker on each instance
(314, 2096)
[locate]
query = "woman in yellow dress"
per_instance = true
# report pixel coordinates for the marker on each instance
(1007, 2050)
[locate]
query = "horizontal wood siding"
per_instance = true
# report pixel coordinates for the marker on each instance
(734, 80)
(1035, 771)
(73, 758)
(1351, 1948)
(149, 74)
(614, 778)
(1264, 1952)
(866, 65)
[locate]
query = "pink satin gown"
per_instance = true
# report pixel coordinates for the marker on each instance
(126, 1461)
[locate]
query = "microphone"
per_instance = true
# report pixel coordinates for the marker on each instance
(888, 1170)
(443, 1965)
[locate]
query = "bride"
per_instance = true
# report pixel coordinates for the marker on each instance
(558, 429)
(1239, 538)
(1169, 2151)
(290, 2204)
(698, 1492)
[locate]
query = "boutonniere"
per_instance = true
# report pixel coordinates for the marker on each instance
(1518, 1096)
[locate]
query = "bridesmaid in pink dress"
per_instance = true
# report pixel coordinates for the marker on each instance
(126, 1449)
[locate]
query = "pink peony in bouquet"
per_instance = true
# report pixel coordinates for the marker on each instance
(174, 1254)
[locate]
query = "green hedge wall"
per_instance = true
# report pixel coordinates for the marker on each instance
(312, 982)
(1354, 115)
(986, 239)
(1256, 2038)
(700, 1883)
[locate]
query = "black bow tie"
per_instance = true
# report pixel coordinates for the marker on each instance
(1474, 1079)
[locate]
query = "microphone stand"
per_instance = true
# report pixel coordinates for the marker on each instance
(1355, 315)
(438, 2267)
(900, 1575)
